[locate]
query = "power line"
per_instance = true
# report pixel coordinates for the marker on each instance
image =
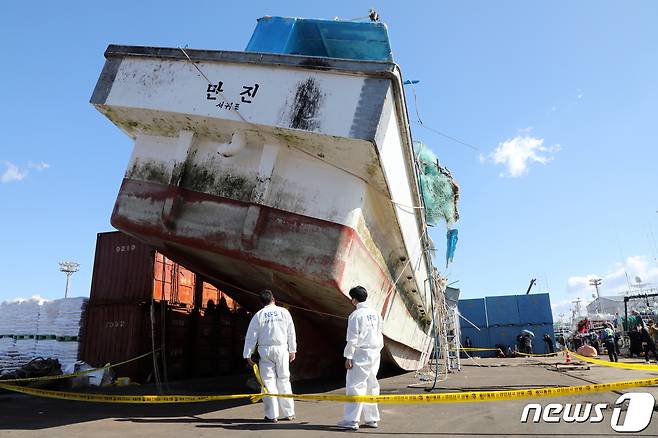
(429, 128)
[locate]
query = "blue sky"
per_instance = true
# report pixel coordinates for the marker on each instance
(558, 97)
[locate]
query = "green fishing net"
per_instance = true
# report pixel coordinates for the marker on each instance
(439, 189)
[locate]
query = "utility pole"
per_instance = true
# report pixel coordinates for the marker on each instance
(69, 268)
(596, 282)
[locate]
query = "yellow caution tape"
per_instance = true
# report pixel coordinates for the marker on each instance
(263, 389)
(538, 355)
(422, 398)
(257, 374)
(79, 373)
(476, 396)
(108, 398)
(625, 365)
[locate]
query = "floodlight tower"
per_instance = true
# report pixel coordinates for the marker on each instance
(69, 268)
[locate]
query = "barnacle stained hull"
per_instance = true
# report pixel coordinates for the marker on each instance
(307, 188)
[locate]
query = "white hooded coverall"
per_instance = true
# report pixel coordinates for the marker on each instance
(364, 344)
(272, 329)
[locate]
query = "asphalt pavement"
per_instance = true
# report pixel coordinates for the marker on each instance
(22, 416)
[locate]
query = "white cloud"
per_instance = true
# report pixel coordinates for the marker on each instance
(615, 280)
(517, 153)
(613, 283)
(12, 173)
(39, 166)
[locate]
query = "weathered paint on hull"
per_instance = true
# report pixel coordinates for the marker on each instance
(302, 258)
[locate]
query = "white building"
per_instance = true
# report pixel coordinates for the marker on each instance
(607, 305)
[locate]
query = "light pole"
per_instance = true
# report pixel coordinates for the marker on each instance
(69, 268)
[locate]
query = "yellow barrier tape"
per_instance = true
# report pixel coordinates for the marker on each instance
(105, 398)
(260, 381)
(421, 398)
(539, 355)
(476, 396)
(263, 389)
(625, 365)
(79, 373)
(108, 398)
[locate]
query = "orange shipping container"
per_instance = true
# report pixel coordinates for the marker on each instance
(129, 271)
(210, 292)
(172, 282)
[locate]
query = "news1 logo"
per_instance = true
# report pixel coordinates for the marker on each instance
(638, 413)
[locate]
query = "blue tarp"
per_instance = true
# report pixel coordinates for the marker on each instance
(452, 245)
(366, 41)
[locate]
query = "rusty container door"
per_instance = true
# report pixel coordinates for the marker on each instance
(177, 343)
(185, 281)
(163, 274)
(123, 270)
(177, 323)
(112, 334)
(172, 282)
(214, 337)
(206, 345)
(218, 298)
(210, 293)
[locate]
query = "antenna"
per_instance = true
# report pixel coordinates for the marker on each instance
(69, 268)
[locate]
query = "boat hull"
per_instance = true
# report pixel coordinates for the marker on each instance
(309, 194)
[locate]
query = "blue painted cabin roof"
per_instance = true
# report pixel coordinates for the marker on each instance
(366, 41)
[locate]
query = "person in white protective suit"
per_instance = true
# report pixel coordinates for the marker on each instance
(362, 354)
(272, 331)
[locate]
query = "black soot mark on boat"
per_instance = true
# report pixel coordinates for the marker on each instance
(304, 112)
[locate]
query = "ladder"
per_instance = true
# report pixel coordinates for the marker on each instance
(452, 343)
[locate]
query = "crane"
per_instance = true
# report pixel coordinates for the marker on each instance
(532, 283)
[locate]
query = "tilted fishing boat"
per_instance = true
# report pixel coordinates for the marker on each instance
(287, 166)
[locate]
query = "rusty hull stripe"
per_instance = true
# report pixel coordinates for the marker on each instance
(157, 192)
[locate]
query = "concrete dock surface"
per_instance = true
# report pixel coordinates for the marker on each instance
(23, 416)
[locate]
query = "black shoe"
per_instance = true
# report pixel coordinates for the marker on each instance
(271, 420)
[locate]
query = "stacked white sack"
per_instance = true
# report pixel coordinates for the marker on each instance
(68, 326)
(46, 338)
(19, 320)
(7, 341)
(26, 330)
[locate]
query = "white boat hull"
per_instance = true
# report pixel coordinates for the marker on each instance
(307, 188)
